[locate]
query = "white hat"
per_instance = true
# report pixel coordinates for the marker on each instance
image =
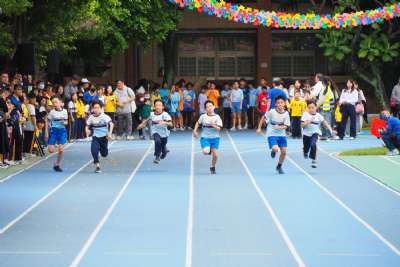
(85, 80)
(141, 90)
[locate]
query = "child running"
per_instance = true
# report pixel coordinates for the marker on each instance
(278, 120)
(58, 118)
(100, 126)
(212, 125)
(159, 123)
(311, 122)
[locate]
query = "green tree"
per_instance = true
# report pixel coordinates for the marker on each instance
(373, 50)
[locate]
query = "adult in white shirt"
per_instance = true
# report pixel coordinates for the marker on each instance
(317, 88)
(395, 100)
(347, 102)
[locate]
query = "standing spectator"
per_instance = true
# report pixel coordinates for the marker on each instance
(30, 124)
(395, 100)
(276, 91)
(317, 88)
(60, 93)
(252, 105)
(85, 85)
(28, 84)
(202, 100)
(189, 96)
(236, 106)
(213, 95)
(4, 83)
(4, 142)
(347, 101)
(89, 93)
(136, 114)
(80, 117)
(125, 96)
(326, 104)
(110, 103)
(297, 107)
(71, 87)
(164, 94)
(262, 102)
(246, 103)
(181, 104)
(175, 98)
(16, 98)
(226, 95)
(16, 141)
(72, 117)
(263, 84)
(360, 108)
(155, 95)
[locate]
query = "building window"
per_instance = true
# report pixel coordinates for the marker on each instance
(227, 67)
(281, 66)
(303, 65)
(187, 66)
(246, 66)
(206, 66)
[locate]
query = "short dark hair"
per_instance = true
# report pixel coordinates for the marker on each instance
(311, 102)
(158, 100)
(208, 102)
(279, 97)
(96, 102)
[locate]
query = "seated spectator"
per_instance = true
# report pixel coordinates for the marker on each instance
(391, 135)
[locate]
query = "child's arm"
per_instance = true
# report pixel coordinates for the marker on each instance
(196, 127)
(110, 130)
(260, 124)
(88, 132)
(143, 124)
(327, 126)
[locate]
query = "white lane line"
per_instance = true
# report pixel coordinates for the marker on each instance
(391, 160)
(44, 198)
(245, 254)
(271, 211)
(108, 213)
(32, 165)
(350, 255)
(360, 172)
(348, 209)
(135, 253)
(189, 230)
(30, 252)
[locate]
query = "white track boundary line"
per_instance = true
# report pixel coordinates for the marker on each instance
(44, 198)
(32, 165)
(108, 213)
(271, 211)
(360, 172)
(189, 230)
(347, 208)
(391, 160)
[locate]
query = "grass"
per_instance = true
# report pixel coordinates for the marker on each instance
(13, 169)
(373, 151)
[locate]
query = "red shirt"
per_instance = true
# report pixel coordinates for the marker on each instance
(262, 101)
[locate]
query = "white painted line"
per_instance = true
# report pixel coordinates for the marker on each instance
(30, 253)
(44, 198)
(135, 253)
(271, 211)
(348, 209)
(391, 160)
(240, 254)
(32, 165)
(189, 230)
(350, 255)
(108, 213)
(360, 172)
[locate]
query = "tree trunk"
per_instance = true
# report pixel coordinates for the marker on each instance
(375, 80)
(169, 58)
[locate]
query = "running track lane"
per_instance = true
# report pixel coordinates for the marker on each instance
(148, 225)
(232, 226)
(323, 231)
(52, 234)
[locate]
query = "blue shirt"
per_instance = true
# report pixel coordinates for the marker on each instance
(88, 98)
(16, 102)
(189, 96)
(253, 97)
(393, 126)
(175, 98)
(164, 93)
(274, 93)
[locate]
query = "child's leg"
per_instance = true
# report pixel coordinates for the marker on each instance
(306, 144)
(206, 150)
(282, 155)
(234, 120)
(214, 156)
(158, 145)
(164, 141)
(313, 145)
(103, 147)
(60, 154)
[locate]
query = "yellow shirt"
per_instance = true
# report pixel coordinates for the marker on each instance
(80, 109)
(154, 98)
(297, 107)
(111, 103)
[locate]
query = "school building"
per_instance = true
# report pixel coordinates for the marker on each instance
(209, 48)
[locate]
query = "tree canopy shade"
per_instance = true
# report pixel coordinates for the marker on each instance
(59, 24)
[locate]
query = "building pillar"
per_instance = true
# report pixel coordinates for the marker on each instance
(264, 46)
(131, 63)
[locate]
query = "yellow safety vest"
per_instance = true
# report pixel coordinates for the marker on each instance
(326, 104)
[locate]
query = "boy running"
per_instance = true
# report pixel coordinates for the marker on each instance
(100, 126)
(311, 123)
(212, 125)
(159, 123)
(278, 120)
(58, 118)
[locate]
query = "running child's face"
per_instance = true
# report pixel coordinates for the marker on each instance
(210, 108)
(312, 108)
(56, 103)
(297, 95)
(96, 109)
(280, 104)
(159, 107)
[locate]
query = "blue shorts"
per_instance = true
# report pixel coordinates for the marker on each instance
(176, 114)
(57, 136)
(209, 142)
(236, 107)
(244, 107)
(280, 141)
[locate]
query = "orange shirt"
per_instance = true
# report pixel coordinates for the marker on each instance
(181, 101)
(213, 95)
